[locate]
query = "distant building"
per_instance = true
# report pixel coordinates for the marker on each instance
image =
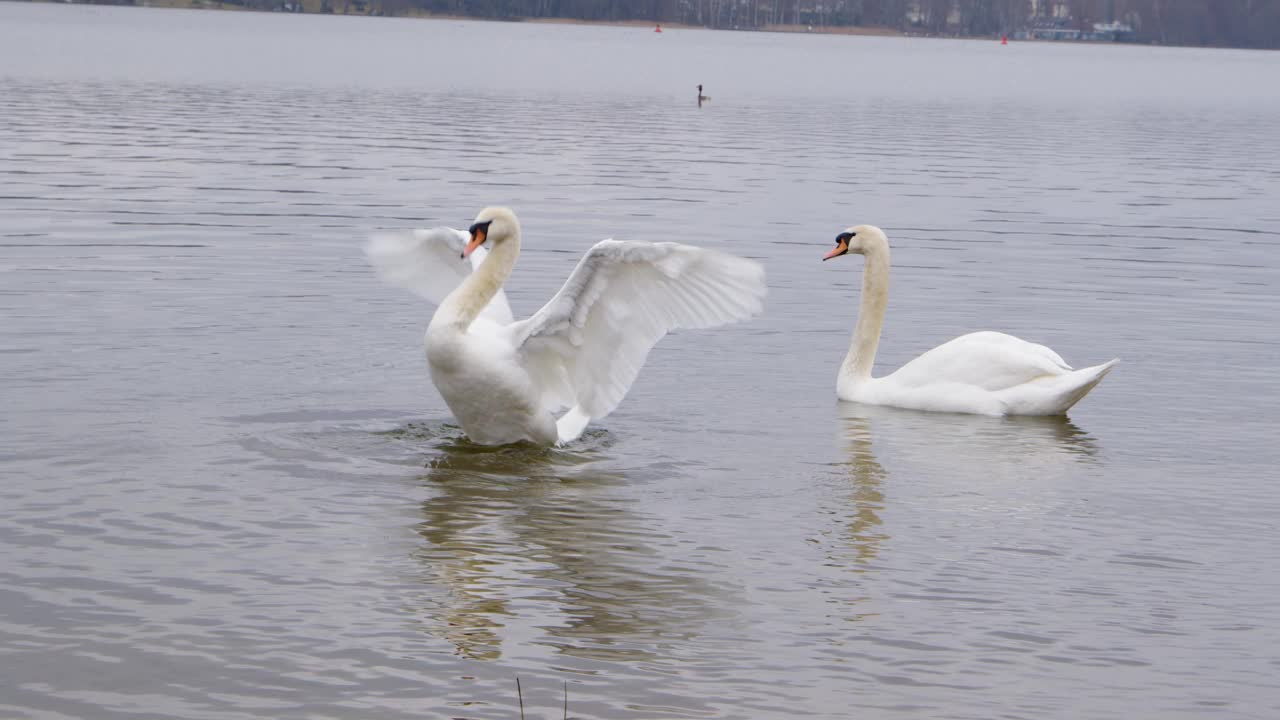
(1066, 28)
(1111, 31)
(1050, 28)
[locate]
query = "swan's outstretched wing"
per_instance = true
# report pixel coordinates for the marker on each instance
(429, 263)
(587, 344)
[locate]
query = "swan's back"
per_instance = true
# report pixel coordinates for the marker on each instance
(987, 373)
(991, 361)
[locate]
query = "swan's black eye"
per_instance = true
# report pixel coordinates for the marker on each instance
(484, 226)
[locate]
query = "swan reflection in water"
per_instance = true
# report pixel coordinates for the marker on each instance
(536, 543)
(863, 533)
(939, 445)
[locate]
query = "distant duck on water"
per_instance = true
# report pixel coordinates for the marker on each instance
(702, 98)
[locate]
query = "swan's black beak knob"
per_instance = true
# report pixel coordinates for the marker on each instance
(479, 232)
(842, 246)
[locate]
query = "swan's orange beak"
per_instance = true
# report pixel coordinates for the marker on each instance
(842, 247)
(478, 236)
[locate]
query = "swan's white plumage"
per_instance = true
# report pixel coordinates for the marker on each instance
(582, 350)
(589, 342)
(988, 373)
(988, 360)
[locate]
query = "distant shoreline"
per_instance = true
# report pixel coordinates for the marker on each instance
(801, 29)
(312, 7)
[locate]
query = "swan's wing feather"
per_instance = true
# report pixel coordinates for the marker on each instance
(587, 344)
(429, 263)
(989, 360)
(1015, 345)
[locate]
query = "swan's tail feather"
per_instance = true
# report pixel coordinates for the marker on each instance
(571, 424)
(1083, 380)
(1094, 376)
(1055, 394)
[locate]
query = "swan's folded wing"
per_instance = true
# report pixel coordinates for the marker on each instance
(587, 344)
(429, 263)
(990, 360)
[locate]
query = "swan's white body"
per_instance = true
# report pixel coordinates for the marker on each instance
(503, 379)
(986, 373)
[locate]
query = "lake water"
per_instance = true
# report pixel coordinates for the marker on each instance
(230, 490)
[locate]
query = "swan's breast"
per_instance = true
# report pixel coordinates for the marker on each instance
(480, 377)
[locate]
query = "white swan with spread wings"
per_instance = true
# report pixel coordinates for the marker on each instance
(985, 373)
(502, 378)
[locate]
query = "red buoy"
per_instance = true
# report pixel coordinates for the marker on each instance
(1004, 40)
(658, 29)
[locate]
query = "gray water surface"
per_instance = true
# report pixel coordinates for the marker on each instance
(230, 491)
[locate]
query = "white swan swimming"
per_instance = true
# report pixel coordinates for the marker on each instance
(503, 378)
(985, 373)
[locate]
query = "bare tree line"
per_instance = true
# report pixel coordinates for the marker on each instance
(1239, 23)
(1232, 23)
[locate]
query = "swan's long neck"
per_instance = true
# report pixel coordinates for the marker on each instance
(464, 304)
(866, 334)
